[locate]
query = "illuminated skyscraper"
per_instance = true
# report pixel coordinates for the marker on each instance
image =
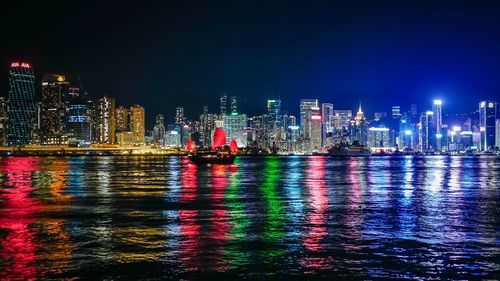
(327, 114)
(78, 123)
(22, 104)
(497, 134)
(234, 126)
(234, 105)
(105, 121)
(159, 130)
(122, 119)
(223, 104)
(4, 118)
(305, 107)
(179, 115)
(396, 112)
(487, 124)
(438, 122)
(274, 113)
(207, 126)
(137, 123)
(312, 131)
(55, 90)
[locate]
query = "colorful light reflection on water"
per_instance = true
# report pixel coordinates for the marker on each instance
(165, 218)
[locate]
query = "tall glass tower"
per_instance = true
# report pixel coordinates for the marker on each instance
(22, 104)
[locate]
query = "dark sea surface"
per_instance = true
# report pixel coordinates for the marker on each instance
(271, 217)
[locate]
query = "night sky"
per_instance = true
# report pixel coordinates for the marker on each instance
(380, 53)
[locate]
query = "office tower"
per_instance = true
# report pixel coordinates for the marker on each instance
(223, 105)
(438, 122)
(4, 118)
(179, 115)
(55, 90)
(22, 104)
(396, 112)
(105, 121)
(159, 130)
(78, 122)
(312, 131)
(234, 126)
(137, 123)
(122, 119)
(427, 131)
(360, 128)
(327, 115)
(497, 133)
(274, 113)
(378, 137)
(305, 107)
(207, 126)
(234, 105)
(487, 123)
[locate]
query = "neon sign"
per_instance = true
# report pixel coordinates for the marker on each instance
(20, 64)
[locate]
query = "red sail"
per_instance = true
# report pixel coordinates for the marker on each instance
(219, 138)
(190, 145)
(233, 147)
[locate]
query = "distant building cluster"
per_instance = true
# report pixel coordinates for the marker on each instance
(61, 114)
(65, 115)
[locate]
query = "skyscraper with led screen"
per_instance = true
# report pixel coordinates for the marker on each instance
(22, 104)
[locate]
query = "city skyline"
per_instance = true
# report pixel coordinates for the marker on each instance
(403, 51)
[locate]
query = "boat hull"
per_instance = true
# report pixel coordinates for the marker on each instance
(201, 159)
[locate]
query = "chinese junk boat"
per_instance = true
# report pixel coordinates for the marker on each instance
(349, 150)
(219, 153)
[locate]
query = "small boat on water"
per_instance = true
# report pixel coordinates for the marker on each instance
(209, 156)
(344, 149)
(219, 153)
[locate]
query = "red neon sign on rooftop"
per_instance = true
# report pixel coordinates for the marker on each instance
(20, 64)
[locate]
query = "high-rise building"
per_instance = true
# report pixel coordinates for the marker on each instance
(223, 104)
(207, 126)
(305, 106)
(78, 123)
(22, 104)
(234, 125)
(105, 120)
(487, 124)
(159, 130)
(497, 134)
(378, 137)
(312, 132)
(274, 113)
(4, 118)
(438, 123)
(327, 114)
(427, 131)
(137, 123)
(234, 105)
(179, 115)
(55, 91)
(396, 112)
(122, 119)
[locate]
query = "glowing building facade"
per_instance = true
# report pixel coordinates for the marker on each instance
(55, 92)
(22, 104)
(105, 121)
(487, 124)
